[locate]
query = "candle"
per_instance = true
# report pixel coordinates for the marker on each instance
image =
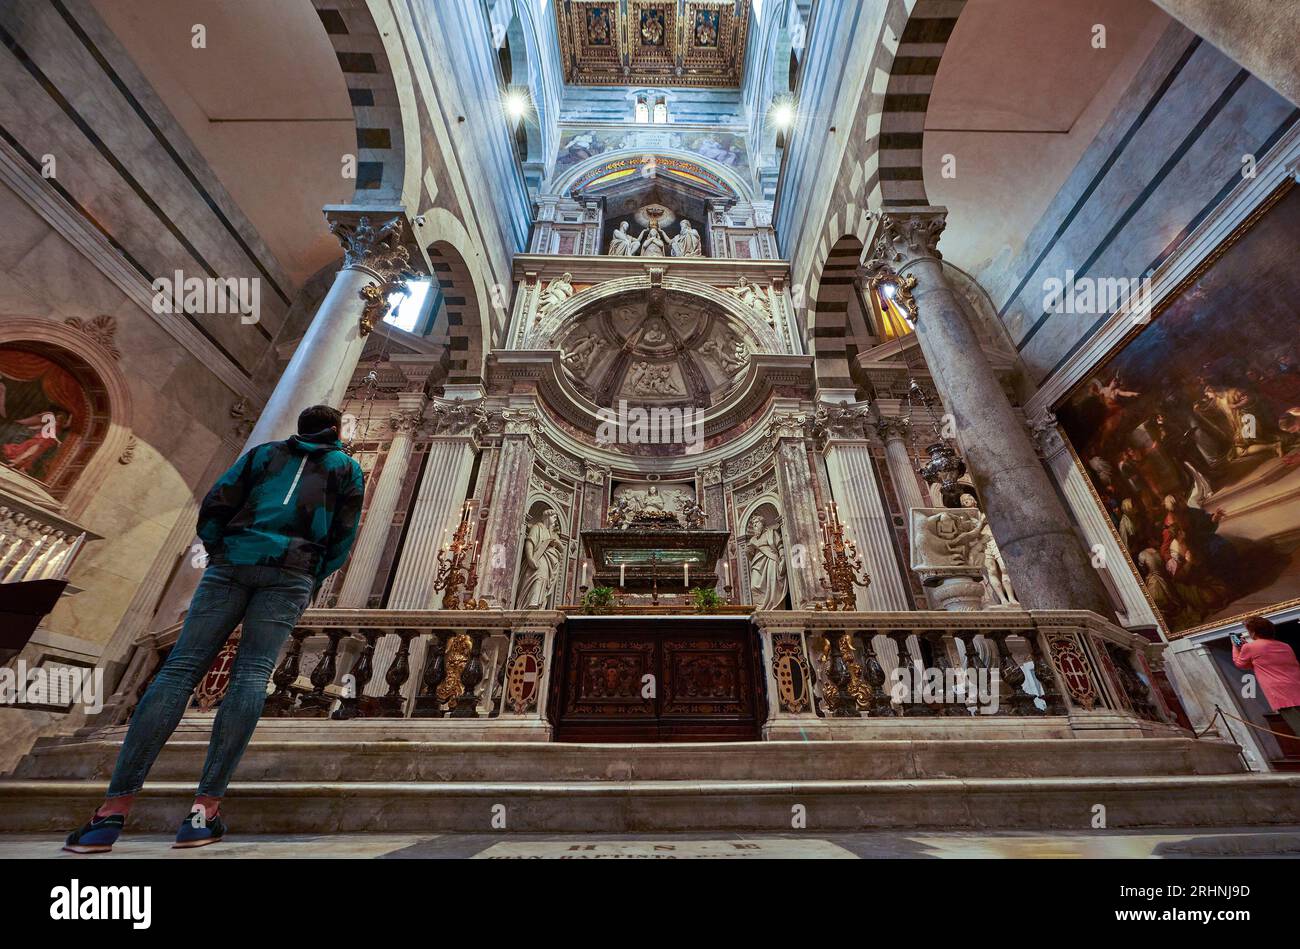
(726, 573)
(583, 580)
(622, 568)
(686, 574)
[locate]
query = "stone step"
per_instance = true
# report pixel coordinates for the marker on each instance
(413, 761)
(652, 806)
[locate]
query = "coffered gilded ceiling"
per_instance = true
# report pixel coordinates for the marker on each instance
(653, 42)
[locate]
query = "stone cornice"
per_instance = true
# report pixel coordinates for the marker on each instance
(430, 619)
(765, 373)
(597, 269)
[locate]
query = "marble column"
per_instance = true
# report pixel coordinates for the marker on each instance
(1033, 531)
(508, 509)
(595, 494)
(375, 529)
(866, 519)
(800, 527)
(435, 512)
(1107, 555)
(894, 432)
(323, 362)
(1262, 35)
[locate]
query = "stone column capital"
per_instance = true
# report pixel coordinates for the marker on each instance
(1046, 434)
(896, 428)
(904, 236)
(404, 423)
(373, 242)
(710, 475)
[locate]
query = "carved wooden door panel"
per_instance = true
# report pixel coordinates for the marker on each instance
(636, 679)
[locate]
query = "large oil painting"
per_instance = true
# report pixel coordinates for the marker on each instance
(1190, 433)
(44, 414)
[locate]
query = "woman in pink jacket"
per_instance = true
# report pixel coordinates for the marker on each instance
(1274, 663)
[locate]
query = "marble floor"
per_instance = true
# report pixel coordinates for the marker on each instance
(1166, 844)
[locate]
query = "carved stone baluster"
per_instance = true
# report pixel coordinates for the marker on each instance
(971, 669)
(938, 643)
(1022, 703)
(363, 670)
(913, 704)
(837, 670)
(471, 674)
(427, 704)
(281, 701)
(875, 675)
(1044, 672)
(317, 703)
(391, 704)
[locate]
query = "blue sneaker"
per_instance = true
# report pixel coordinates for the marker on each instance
(98, 836)
(199, 834)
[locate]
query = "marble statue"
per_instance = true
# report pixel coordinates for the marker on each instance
(623, 244)
(766, 556)
(750, 297)
(989, 557)
(692, 513)
(687, 242)
(951, 538)
(620, 513)
(579, 357)
(654, 242)
(543, 555)
(559, 290)
(653, 380)
(728, 354)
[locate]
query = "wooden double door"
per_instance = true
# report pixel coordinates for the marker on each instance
(657, 679)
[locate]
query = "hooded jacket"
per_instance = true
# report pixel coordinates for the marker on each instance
(292, 504)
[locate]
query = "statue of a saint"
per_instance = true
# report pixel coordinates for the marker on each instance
(989, 557)
(559, 290)
(623, 244)
(543, 554)
(750, 298)
(763, 549)
(687, 242)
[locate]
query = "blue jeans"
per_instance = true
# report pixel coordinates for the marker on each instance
(268, 601)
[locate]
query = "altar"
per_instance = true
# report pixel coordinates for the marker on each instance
(655, 557)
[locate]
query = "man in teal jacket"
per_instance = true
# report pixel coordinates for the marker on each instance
(274, 527)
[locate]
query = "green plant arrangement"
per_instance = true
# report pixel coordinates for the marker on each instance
(706, 599)
(598, 600)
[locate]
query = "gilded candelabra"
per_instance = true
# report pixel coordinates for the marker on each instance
(843, 564)
(458, 568)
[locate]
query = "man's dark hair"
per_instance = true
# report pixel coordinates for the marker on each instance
(1262, 628)
(318, 418)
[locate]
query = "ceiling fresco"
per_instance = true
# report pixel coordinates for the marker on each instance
(653, 42)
